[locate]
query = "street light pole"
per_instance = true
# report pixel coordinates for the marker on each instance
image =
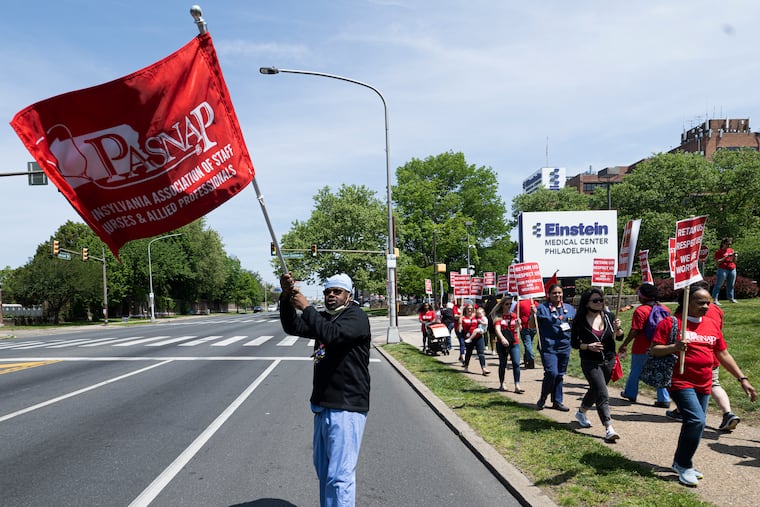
(151, 296)
(467, 225)
(393, 334)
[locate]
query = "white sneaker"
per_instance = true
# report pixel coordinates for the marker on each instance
(582, 419)
(686, 476)
(610, 435)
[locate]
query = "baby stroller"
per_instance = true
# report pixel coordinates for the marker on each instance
(437, 337)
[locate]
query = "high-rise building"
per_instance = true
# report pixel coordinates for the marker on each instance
(552, 178)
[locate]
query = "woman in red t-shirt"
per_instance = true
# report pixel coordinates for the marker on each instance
(725, 257)
(505, 325)
(691, 389)
(426, 317)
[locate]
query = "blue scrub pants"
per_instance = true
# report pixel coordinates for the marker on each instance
(337, 439)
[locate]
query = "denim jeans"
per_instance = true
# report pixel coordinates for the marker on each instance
(631, 389)
(728, 276)
(479, 345)
(526, 335)
(555, 367)
(337, 439)
(514, 352)
(693, 408)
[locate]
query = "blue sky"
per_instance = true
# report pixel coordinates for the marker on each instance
(607, 83)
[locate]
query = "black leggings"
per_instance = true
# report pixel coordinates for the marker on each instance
(598, 374)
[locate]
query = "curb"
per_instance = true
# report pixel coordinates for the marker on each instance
(518, 484)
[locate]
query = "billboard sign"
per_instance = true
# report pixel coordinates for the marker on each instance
(568, 241)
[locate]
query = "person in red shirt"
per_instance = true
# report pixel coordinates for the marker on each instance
(469, 324)
(718, 394)
(426, 317)
(725, 257)
(648, 298)
(507, 342)
(702, 343)
(526, 328)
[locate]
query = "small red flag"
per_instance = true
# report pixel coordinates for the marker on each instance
(551, 282)
(144, 154)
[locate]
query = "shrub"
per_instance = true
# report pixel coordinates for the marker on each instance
(744, 288)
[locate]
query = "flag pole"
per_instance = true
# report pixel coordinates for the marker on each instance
(269, 225)
(197, 13)
(684, 321)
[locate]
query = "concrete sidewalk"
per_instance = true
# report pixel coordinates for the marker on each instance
(729, 461)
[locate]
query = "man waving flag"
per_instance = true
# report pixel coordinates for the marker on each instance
(146, 153)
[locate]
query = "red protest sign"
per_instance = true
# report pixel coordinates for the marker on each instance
(489, 279)
(603, 274)
(502, 284)
(688, 241)
(703, 253)
(144, 154)
(530, 284)
(672, 257)
(646, 273)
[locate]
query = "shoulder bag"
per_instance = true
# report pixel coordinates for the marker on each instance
(658, 371)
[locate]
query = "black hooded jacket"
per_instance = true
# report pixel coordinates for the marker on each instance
(341, 377)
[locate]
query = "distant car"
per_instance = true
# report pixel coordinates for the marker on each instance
(257, 309)
(272, 308)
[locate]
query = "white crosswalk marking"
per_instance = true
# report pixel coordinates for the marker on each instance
(138, 342)
(38, 345)
(258, 341)
(228, 341)
(16, 345)
(199, 341)
(170, 341)
(288, 341)
(70, 343)
(111, 341)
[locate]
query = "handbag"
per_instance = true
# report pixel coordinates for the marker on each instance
(617, 370)
(658, 371)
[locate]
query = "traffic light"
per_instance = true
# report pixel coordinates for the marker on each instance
(56, 248)
(85, 254)
(313, 250)
(273, 249)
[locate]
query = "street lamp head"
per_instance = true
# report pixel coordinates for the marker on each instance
(269, 70)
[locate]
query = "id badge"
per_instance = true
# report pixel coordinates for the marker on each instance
(564, 326)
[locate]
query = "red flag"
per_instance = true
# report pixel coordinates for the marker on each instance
(146, 153)
(551, 282)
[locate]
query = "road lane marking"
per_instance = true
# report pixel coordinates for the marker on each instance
(199, 341)
(228, 341)
(288, 341)
(143, 340)
(11, 367)
(159, 483)
(112, 340)
(173, 358)
(170, 341)
(258, 341)
(80, 391)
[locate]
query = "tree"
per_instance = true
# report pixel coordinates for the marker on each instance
(57, 282)
(351, 219)
(443, 193)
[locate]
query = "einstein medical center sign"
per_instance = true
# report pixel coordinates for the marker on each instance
(568, 241)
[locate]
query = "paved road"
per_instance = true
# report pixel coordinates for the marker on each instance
(207, 411)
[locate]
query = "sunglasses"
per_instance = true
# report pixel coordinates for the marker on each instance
(336, 291)
(597, 300)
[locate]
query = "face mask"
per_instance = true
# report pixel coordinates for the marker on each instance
(336, 311)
